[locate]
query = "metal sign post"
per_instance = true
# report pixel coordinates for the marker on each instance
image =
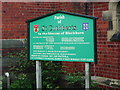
(87, 76)
(38, 75)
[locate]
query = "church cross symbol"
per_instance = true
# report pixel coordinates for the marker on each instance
(85, 26)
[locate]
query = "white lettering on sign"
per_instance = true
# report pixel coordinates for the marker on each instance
(59, 17)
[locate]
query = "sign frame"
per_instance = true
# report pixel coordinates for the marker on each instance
(73, 14)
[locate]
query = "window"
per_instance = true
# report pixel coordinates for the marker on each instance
(113, 18)
(116, 35)
(110, 25)
(118, 16)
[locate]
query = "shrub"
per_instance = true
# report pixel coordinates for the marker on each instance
(24, 70)
(22, 82)
(51, 74)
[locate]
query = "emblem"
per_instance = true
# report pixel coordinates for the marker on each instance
(85, 26)
(36, 28)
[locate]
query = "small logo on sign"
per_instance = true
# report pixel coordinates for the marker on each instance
(36, 28)
(85, 26)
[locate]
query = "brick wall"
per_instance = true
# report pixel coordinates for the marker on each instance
(108, 52)
(15, 14)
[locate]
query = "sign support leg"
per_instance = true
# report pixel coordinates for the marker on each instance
(87, 76)
(38, 75)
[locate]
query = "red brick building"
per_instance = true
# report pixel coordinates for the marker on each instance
(14, 31)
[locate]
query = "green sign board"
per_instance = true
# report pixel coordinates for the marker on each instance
(62, 36)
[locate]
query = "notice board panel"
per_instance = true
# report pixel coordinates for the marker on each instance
(62, 36)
